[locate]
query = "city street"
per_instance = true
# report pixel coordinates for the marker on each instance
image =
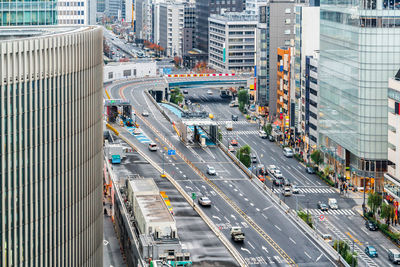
(344, 223)
(231, 193)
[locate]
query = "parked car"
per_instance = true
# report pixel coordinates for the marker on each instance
(371, 226)
(153, 147)
(271, 138)
(310, 170)
(204, 201)
(394, 256)
(288, 152)
(234, 142)
(235, 118)
(295, 189)
(322, 206)
(371, 252)
(211, 170)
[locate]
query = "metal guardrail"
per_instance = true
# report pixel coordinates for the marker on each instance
(205, 218)
(291, 213)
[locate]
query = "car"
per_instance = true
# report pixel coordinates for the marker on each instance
(233, 104)
(252, 108)
(153, 147)
(253, 158)
(371, 252)
(204, 201)
(209, 92)
(322, 206)
(231, 149)
(262, 134)
(295, 189)
(271, 169)
(288, 152)
(310, 170)
(327, 238)
(229, 126)
(278, 174)
(371, 226)
(185, 91)
(261, 169)
(145, 113)
(271, 138)
(234, 142)
(211, 170)
(394, 256)
(235, 118)
(278, 181)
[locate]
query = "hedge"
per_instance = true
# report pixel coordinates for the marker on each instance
(384, 228)
(326, 179)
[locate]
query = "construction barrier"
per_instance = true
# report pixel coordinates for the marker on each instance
(199, 75)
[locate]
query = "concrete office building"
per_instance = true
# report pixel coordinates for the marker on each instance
(52, 152)
(170, 25)
(392, 177)
(76, 12)
(189, 28)
(309, 103)
(276, 27)
(207, 7)
(14, 13)
(232, 41)
(252, 6)
(262, 59)
(144, 12)
(360, 51)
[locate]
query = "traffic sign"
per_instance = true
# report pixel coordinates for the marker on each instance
(171, 152)
(321, 217)
(193, 196)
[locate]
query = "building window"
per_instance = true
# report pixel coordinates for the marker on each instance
(287, 31)
(287, 11)
(287, 21)
(110, 75)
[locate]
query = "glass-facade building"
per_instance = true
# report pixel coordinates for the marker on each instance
(13, 13)
(360, 50)
(262, 59)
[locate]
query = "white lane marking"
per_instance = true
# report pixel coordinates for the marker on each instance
(265, 249)
(173, 164)
(180, 172)
(184, 176)
(251, 204)
(250, 245)
(268, 207)
(246, 199)
(188, 187)
(277, 227)
(319, 257)
(216, 208)
(170, 160)
(177, 168)
(307, 254)
(227, 219)
(240, 194)
(245, 249)
(257, 209)
(215, 217)
(233, 216)
(292, 240)
(264, 216)
(235, 190)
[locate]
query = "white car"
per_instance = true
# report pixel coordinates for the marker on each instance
(262, 134)
(204, 201)
(211, 170)
(295, 189)
(145, 113)
(271, 169)
(153, 147)
(278, 173)
(209, 92)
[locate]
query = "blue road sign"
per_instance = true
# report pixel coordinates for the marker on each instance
(171, 152)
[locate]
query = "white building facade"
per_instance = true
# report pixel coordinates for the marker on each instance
(127, 70)
(51, 186)
(76, 12)
(232, 41)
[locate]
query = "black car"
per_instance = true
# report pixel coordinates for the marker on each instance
(271, 138)
(185, 91)
(235, 118)
(322, 206)
(310, 170)
(371, 226)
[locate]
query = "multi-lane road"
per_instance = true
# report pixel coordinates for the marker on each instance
(271, 238)
(344, 223)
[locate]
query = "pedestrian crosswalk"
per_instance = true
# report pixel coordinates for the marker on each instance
(240, 132)
(233, 122)
(346, 212)
(310, 190)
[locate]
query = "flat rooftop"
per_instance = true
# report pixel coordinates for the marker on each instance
(23, 32)
(154, 209)
(143, 185)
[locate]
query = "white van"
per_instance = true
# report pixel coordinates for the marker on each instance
(288, 152)
(229, 126)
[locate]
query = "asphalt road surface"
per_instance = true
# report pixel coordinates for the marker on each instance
(283, 242)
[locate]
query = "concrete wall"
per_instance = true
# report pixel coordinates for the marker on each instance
(137, 70)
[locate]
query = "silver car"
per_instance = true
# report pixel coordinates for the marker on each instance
(204, 201)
